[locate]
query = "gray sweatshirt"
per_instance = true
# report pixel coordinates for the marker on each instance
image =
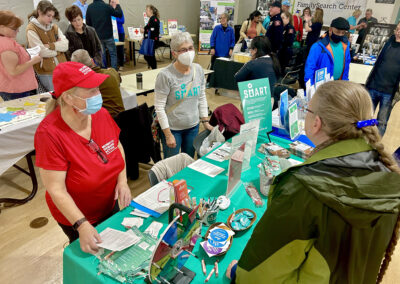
(170, 88)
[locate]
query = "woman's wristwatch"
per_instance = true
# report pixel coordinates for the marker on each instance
(204, 121)
(78, 223)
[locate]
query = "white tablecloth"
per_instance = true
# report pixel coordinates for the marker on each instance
(17, 140)
(359, 72)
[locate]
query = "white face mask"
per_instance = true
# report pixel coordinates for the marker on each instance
(187, 57)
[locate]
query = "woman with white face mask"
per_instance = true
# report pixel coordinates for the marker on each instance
(81, 161)
(180, 98)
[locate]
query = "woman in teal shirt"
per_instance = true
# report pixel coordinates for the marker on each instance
(353, 21)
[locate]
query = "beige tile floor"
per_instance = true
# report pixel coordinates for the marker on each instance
(35, 255)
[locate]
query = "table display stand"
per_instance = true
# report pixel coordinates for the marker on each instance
(175, 247)
(31, 173)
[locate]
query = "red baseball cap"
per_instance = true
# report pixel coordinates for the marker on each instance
(74, 74)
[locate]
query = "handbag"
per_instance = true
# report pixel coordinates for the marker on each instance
(147, 47)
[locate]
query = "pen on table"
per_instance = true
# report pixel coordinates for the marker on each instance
(209, 275)
(216, 268)
(203, 266)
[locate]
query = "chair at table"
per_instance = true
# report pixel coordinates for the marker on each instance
(168, 167)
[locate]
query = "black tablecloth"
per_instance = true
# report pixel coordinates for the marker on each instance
(224, 74)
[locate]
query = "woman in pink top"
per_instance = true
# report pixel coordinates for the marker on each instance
(17, 78)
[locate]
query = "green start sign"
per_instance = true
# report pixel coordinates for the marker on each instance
(256, 102)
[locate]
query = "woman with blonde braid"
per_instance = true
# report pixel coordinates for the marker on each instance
(333, 218)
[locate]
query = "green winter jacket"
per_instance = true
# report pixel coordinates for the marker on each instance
(328, 220)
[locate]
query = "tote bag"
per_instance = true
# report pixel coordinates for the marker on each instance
(147, 47)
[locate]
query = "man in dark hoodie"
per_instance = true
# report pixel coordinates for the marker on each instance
(98, 16)
(332, 218)
(384, 79)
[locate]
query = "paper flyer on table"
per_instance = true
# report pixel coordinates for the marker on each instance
(156, 198)
(206, 168)
(220, 154)
(115, 240)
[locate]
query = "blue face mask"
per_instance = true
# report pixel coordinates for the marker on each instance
(93, 104)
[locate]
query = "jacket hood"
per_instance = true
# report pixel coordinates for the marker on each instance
(357, 186)
(35, 21)
(70, 29)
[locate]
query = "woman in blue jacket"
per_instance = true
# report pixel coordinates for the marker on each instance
(222, 40)
(121, 38)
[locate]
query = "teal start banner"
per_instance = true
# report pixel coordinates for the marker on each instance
(256, 102)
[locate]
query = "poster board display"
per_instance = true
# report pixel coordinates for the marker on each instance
(376, 37)
(115, 28)
(134, 33)
(172, 27)
(210, 11)
(263, 6)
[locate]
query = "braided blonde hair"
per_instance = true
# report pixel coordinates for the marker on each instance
(340, 104)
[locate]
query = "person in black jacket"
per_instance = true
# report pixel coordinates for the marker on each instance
(264, 63)
(286, 52)
(384, 79)
(275, 30)
(313, 27)
(153, 26)
(98, 16)
(81, 36)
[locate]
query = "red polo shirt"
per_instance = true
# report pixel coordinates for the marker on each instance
(90, 182)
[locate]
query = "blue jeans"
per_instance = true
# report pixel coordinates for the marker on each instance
(385, 107)
(184, 139)
(109, 44)
(14, 96)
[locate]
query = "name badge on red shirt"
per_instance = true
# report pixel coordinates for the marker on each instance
(109, 147)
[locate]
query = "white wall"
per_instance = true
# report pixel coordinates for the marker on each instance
(383, 12)
(187, 12)
(243, 9)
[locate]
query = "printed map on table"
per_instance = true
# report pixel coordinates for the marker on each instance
(15, 111)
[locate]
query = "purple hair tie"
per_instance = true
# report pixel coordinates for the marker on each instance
(365, 123)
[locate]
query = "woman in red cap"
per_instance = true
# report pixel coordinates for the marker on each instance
(81, 160)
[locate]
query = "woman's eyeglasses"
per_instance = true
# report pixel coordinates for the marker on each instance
(183, 50)
(96, 149)
(310, 111)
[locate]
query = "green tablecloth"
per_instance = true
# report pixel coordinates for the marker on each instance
(80, 267)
